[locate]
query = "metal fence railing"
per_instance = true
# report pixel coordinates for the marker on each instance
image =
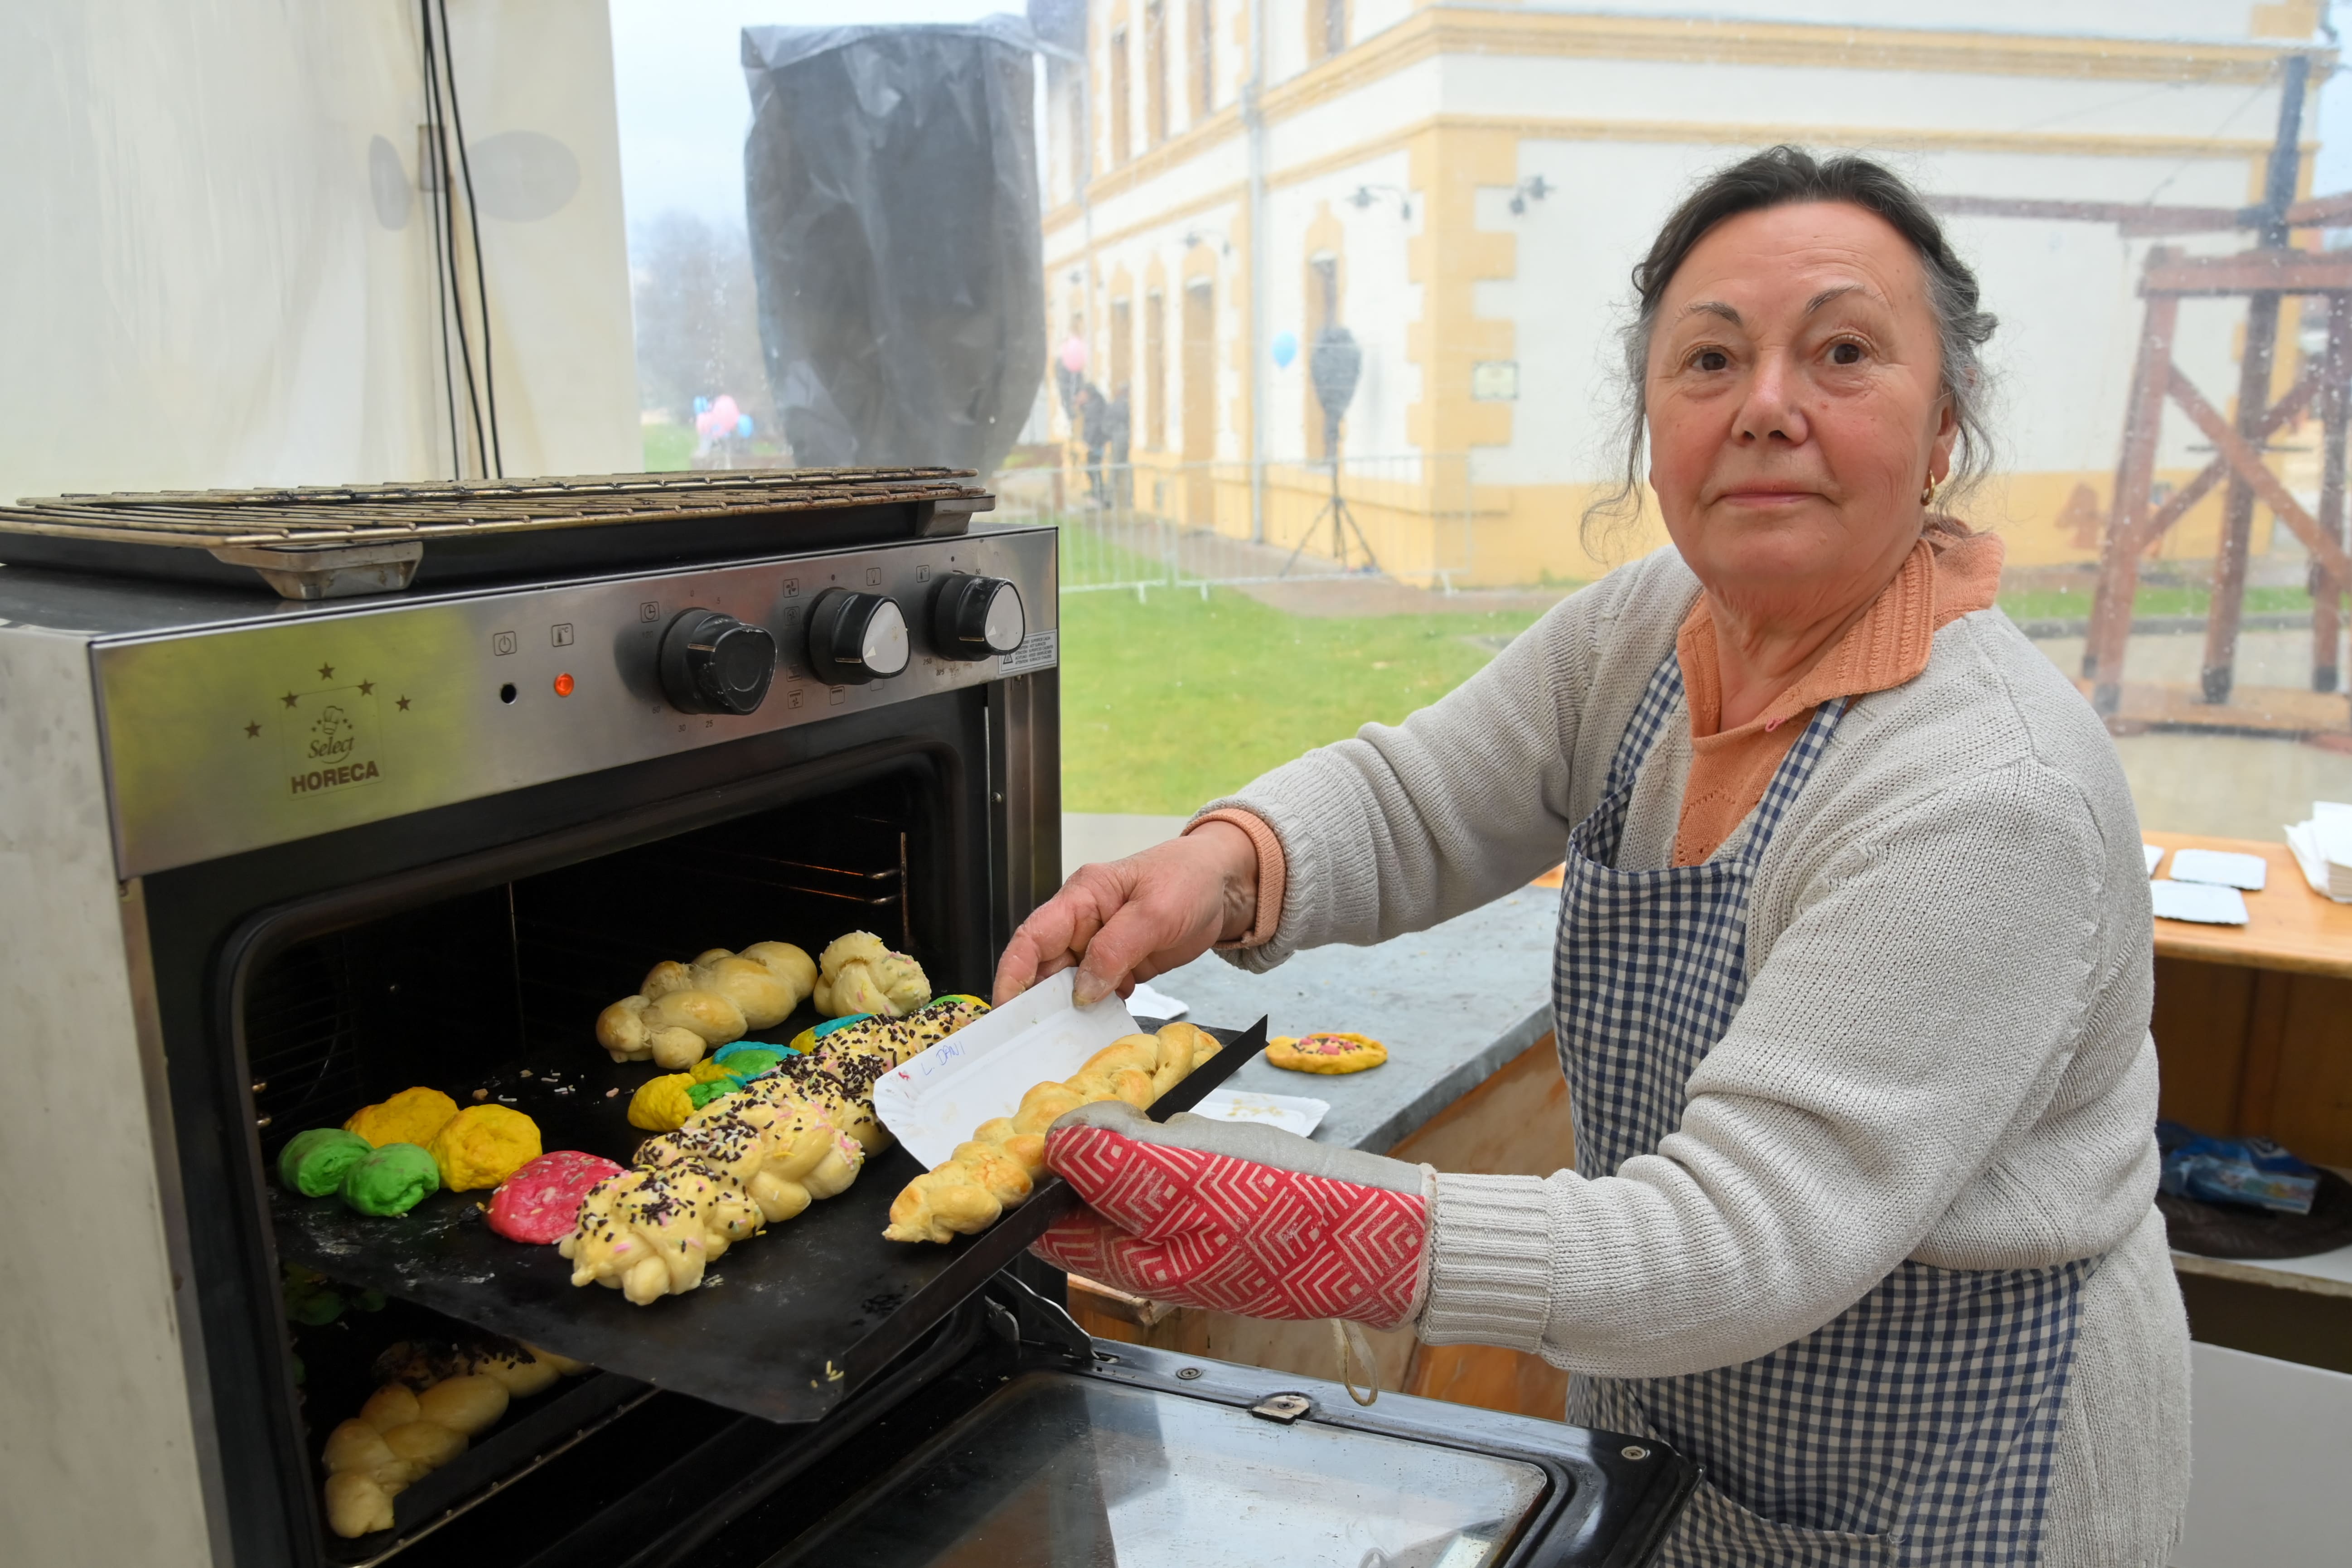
(1148, 524)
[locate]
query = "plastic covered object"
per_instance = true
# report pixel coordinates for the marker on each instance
(890, 191)
(2254, 1171)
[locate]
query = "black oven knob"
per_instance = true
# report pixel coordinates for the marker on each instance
(856, 637)
(976, 617)
(713, 663)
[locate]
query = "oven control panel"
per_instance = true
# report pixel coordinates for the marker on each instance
(236, 737)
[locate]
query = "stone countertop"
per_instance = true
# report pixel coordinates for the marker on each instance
(1452, 1003)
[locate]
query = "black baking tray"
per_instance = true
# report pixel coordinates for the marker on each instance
(784, 1326)
(456, 559)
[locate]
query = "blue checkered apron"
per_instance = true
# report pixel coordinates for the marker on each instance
(1920, 1425)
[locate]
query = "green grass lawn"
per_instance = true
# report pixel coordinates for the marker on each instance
(669, 447)
(2061, 605)
(1173, 703)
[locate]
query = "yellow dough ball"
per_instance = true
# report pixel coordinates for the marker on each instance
(707, 1071)
(1330, 1052)
(482, 1146)
(412, 1116)
(356, 1505)
(425, 1444)
(389, 1406)
(466, 1404)
(661, 1104)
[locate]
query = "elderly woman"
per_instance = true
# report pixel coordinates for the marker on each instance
(1853, 977)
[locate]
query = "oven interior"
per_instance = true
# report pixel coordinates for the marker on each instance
(519, 970)
(467, 992)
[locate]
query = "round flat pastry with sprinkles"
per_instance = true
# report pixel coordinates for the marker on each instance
(1327, 1053)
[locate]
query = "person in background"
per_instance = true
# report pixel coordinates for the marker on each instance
(1094, 429)
(1852, 980)
(1117, 425)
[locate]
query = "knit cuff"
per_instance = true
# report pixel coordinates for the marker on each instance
(1490, 1263)
(1271, 867)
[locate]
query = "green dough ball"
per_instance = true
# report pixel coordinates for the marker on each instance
(313, 1163)
(747, 1062)
(703, 1094)
(391, 1180)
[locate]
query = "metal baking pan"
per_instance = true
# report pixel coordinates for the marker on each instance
(333, 543)
(783, 1327)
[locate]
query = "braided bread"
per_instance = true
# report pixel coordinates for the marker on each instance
(857, 975)
(682, 1010)
(752, 1157)
(996, 1170)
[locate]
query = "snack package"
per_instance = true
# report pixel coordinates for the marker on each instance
(2254, 1171)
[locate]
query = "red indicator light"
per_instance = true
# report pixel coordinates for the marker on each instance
(563, 685)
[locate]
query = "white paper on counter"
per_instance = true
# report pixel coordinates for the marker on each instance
(2198, 901)
(2155, 853)
(979, 1072)
(2222, 868)
(1291, 1112)
(2300, 839)
(1144, 1002)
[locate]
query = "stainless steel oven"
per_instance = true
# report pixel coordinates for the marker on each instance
(269, 858)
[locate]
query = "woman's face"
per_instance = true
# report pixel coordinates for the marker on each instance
(1794, 408)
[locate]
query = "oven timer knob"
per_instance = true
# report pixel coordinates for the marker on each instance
(976, 617)
(856, 637)
(713, 663)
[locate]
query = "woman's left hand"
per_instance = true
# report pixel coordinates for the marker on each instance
(1239, 1218)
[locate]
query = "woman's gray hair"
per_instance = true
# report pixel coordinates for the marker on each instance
(1782, 176)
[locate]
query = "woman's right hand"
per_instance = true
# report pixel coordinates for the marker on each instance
(1133, 919)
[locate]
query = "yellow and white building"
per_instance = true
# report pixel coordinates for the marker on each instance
(1466, 186)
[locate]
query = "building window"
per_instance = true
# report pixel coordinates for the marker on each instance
(1122, 341)
(1155, 372)
(1155, 72)
(1327, 28)
(1204, 59)
(1122, 114)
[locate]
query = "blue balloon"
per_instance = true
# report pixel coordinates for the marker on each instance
(702, 405)
(744, 426)
(1285, 349)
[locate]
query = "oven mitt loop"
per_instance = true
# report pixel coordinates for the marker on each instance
(1237, 1218)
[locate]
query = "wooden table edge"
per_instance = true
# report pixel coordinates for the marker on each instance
(2322, 946)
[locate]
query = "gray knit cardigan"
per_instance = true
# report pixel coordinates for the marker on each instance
(1943, 1054)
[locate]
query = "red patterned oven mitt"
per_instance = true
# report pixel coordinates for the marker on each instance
(1239, 1217)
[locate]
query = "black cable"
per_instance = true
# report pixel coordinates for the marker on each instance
(440, 291)
(474, 226)
(450, 230)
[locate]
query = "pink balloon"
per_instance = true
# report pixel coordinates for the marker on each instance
(1074, 354)
(723, 412)
(702, 423)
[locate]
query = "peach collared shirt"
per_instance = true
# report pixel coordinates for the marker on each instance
(1949, 573)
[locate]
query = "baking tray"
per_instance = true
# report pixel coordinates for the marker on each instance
(783, 1327)
(337, 541)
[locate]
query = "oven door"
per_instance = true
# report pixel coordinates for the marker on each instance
(1039, 1448)
(296, 982)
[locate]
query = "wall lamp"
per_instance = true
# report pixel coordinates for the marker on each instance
(1532, 189)
(1365, 196)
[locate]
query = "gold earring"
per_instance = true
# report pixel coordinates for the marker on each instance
(1928, 493)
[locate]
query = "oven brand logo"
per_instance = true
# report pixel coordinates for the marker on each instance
(330, 740)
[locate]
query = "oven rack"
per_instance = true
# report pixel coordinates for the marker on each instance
(328, 542)
(785, 1326)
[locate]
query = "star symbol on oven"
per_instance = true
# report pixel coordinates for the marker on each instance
(326, 672)
(252, 731)
(290, 699)
(402, 705)
(367, 688)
